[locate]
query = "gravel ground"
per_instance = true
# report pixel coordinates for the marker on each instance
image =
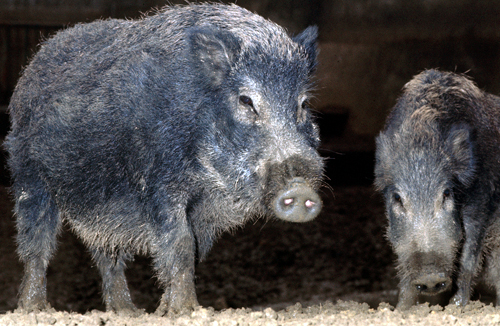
(341, 313)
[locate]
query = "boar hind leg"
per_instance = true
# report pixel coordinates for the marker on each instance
(114, 284)
(174, 263)
(37, 223)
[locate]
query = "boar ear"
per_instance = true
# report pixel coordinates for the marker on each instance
(308, 39)
(213, 51)
(460, 144)
(383, 155)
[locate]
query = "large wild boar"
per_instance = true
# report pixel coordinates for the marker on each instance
(154, 136)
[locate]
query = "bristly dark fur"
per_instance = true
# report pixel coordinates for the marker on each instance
(155, 135)
(438, 165)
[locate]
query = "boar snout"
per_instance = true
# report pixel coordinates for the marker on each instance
(432, 283)
(297, 203)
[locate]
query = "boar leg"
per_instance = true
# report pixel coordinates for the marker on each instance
(492, 270)
(407, 295)
(494, 277)
(37, 223)
(174, 263)
(33, 290)
(114, 284)
(470, 259)
(491, 273)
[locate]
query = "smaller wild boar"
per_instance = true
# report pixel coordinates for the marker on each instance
(438, 166)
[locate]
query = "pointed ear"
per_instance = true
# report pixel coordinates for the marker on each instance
(461, 146)
(383, 159)
(308, 38)
(213, 52)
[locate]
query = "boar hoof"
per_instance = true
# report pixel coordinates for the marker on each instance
(34, 307)
(459, 300)
(177, 303)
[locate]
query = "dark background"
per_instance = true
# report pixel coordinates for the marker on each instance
(369, 50)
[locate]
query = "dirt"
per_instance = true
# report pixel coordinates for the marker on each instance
(335, 270)
(341, 313)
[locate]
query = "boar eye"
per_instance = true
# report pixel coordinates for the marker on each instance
(247, 101)
(397, 198)
(302, 111)
(446, 193)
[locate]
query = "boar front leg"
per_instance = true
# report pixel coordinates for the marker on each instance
(407, 295)
(471, 253)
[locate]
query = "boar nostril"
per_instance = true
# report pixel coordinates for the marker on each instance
(288, 201)
(309, 203)
(421, 287)
(440, 285)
